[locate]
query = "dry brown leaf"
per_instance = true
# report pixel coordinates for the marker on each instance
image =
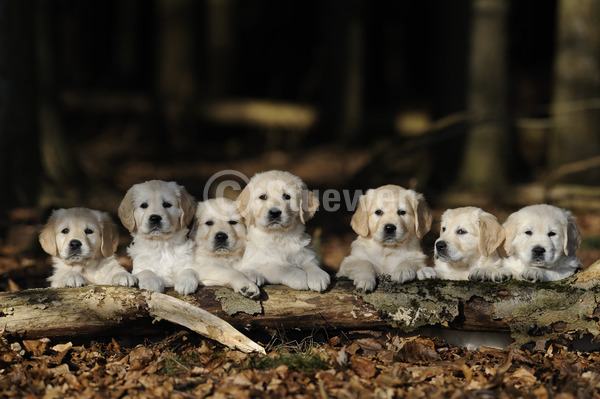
(363, 367)
(369, 346)
(36, 346)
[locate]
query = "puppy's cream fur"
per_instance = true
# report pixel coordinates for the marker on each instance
(220, 237)
(468, 246)
(541, 241)
(82, 243)
(389, 221)
(157, 214)
(276, 205)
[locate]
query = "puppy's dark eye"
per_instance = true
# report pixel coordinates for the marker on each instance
(144, 205)
(167, 204)
(210, 223)
(286, 197)
(528, 232)
(461, 232)
(551, 234)
(401, 212)
(65, 231)
(263, 197)
(379, 212)
(89, 231)
(233, 222)
(443, 229)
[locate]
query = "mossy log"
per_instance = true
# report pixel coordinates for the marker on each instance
(530, 313)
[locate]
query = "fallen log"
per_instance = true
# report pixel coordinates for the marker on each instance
(532, 314)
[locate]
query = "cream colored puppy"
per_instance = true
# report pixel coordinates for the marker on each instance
(541, 241)
(220, 236)
(389, 221)
(276, 205)
(157, 214)
(82, 243)
(468, 246)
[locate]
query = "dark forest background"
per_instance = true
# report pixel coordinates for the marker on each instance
(484, 102)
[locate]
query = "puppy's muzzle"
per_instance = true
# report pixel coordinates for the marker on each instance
(441, 248)
(75, 247)
(538, 253)
(274, 215)
(155, 220)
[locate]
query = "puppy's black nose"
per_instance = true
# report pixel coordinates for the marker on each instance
(74, 245)
(221, 237)
(155, 219)
(274, 213)
(389, 228)
(538, 251)
(441, 245)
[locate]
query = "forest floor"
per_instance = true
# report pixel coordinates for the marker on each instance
(342, 364)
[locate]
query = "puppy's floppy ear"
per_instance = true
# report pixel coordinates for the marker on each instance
(126, 211)
(308, 205)
(491, 234)
(510, 231)
(187, 203)
(243, 203)
(423, 217)
(572, 236)
(48, 235)
(110, 234)
(360, 219)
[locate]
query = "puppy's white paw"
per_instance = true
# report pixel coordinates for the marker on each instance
(255, 276)
(501, 275)
(480, 275)
(534, 275)
(124, 279)
(186, 282)
(71, 280)
(318, 280)
(426, 273)
(247, 289)
(404, 274)
(151, 283)
(366, 284)
(296, 279)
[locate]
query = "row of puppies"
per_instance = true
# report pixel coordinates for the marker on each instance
(274, 207)
(242, 244)
(536, 243)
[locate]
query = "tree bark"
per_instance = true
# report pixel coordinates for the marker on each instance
(531, 313)
(576, 88)
(484, 162)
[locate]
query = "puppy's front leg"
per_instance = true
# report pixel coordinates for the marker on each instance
(293, 277)
(534, 275)
(147, 280)
(361, 272)
(124, 279)
(426, 273)
(186, 282)
(68, 279)
(404, 274)
(317, 278)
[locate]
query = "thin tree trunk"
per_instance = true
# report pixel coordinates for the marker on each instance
(484, 162)
(576, 114)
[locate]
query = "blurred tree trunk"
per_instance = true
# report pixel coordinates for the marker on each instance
(484, 161)
(19, 160)
(176, 77)
(576, 134)
(220, 40)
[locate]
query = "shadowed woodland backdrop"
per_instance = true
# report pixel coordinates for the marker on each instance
(483, 102)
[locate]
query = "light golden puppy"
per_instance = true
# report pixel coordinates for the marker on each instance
(541, 241)
(220, 236)
(157, 214)
(82, 243)
(389, 221)
(276, 205)
(468, 246)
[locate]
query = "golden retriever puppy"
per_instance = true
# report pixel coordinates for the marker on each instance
(276, 205)
(468, 246)
(82, 243)
(220, 236)
(157, 214)
(541, 241)
(389, 221)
